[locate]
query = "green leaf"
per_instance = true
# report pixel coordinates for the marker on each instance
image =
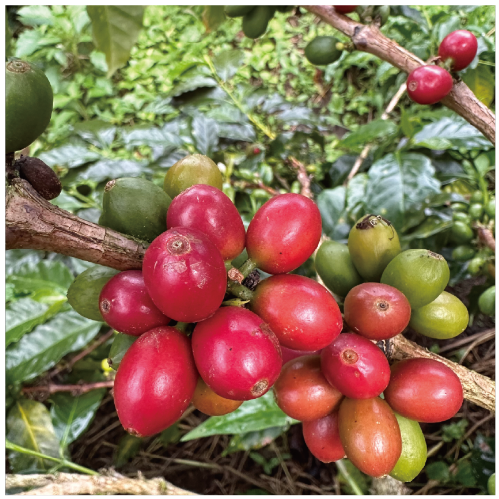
(482, 83)
(35, 15)
(29, 425)
(331, 203)
(27, 43)
(121, 343)
(483, 458)
(128, 448)
(24, 314)
(376, 129)
(356, 195)
(47, 344)
(106, 169)
(115, 30)
(438, 470)
(213, 17)
(464, 474)
(69, 156)
(399, 183)
(451, 133)
(431, 225)
(227, 63)
(253, 439)
(454, 431)
(72, 415)
(97, 132)
(205, 133)
(45, 275)
(252, 415)
(233, 131)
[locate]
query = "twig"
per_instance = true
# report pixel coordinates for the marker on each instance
(73, 484)
(482, 339)
(369, 39)
(302, 176)
(365, 152)
(77, 389)
(243, 184)
(485, 235)
(486, 335)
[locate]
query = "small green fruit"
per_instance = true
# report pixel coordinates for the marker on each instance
(461, 217)
(420, 274)
(84, 292)
(322, 50)
(414, 450)
(476, 197)
(28, 104)
(491, 484)
(490, 208)
(476, 211)
(462, 231)
(476, 265)
(487, 301)
(238, 10)
(136, 207)
(255, 22)
(463, 253)
(335, 267)
(373, 242)
(442, 319)
(191, 170)
(459, 207)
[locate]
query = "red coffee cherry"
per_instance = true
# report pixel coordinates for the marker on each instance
(284, 233)
(460, 47)
(185, 274)
(429, 84)
(302, 313)
(290, 354)
(322, 437)
(377, 311)
(236, 353)
(127, 307)
(355, 366)
(211, 404)
(344, 9)
(370, 435)
(209, 210)
(424, 390)
(155, 381)
(302, 392)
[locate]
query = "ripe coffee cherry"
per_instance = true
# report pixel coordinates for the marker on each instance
(236, 353)
(185, 274)
(424, 390)
(290, 354)
(322, 437)
(377, 311)
(209, 210)
(283, 233)
(344, 9)
(355, 366)
(460, 47)
(301, 312)
(127, 307)
(211, 404)
(370, 435)
(302, 392)
(429, 84)
(155, 381)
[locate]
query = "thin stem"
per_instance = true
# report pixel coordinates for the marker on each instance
(181, 326)
(240, 291)
(247, 267)
(63, 462)
(343, 470)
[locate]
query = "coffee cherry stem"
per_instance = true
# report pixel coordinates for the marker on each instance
(240, 291)
(247, 267)
(181, 326)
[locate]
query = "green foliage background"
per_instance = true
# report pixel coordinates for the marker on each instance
(133, 105)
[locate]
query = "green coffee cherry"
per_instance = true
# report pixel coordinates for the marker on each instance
(476, 211)
(459, 207)
(461, 217)
(476, 197)
(463, 253)
(487, 301)
(490, 208)
(476, 265)
(462, 231)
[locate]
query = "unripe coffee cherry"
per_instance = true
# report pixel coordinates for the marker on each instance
(236, 353)
(322, 437)
(208, 402)
(127, 307)
(429, 84)
(460, 47)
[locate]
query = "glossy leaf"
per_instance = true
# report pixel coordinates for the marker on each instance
(29, 426)
(375, 129)
(107, 169)
(331, 203)
(69, 156)
(47, 344)
(252, 415)
(97, 132)
(121, 343)
(234, 131)
(72, 415)
(227, 63)
(482, 83)
(213, 17)
(205, 133)
(399, 183)
(24, 314)
(115, 30)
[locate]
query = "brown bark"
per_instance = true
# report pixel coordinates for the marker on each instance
(369, 39)
(34, 223)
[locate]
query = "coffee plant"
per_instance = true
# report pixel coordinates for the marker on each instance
(259, 225)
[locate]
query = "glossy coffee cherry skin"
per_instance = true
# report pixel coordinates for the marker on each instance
(185, 274)
(322, 437)
(236, 353)
(460, 47)
(211, 404)
(370, 435)
(424, 390)
(302, 392)
(127, 307)
(355, 366)
(284, 233)
(155, 381)
(209, 210)
(377, 311)
(429, 84)
(302, 313)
